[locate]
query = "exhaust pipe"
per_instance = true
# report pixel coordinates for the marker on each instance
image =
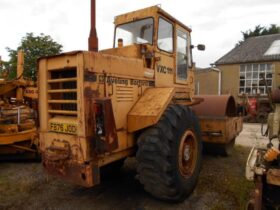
(93, 39)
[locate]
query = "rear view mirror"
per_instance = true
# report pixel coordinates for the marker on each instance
(201, 47)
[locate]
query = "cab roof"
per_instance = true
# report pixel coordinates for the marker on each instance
(153, 11)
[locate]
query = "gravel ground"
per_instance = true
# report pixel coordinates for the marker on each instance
(222, 185)
(251, 135)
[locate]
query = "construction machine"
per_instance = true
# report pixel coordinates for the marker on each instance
(255, 108)
(99, 107)
(18, 119)
(263, 164)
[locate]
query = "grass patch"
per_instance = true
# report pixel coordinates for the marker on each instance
(225, 179)
(230, 191)
(218, 206)
(4, 187)
(240, 189)
(4, 183)
(3, 180)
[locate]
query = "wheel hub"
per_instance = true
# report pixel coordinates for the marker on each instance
(187, 154)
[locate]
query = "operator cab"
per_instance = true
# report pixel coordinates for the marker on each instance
(136, 32)
(163, 43)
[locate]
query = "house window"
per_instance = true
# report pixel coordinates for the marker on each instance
(251, 80)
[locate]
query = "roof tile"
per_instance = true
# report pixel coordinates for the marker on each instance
(251, 50)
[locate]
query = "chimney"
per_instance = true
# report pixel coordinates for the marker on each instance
(93, 39)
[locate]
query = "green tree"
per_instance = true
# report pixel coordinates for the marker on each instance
(260, 31)
(33, 47)
(4, 66)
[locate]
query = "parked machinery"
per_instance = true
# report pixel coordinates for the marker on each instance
(98, 108)
(263, 164)
(18, 128)
(254, 109)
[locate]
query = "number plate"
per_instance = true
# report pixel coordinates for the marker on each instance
(63, 128)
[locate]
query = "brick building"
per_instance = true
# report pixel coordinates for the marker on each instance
(241, 68)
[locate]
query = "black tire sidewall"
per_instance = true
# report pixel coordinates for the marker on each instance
(190, 122)
(158, 155)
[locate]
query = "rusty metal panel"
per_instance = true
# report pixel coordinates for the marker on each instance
(86, 175)
(213, 130)
(220, 130)
(149, 108)
(63, 61)
(78, 145)
(218, 120)
(109, 142)
(43, 96)
(216, 106)
(93, 40)
(112, 64)
(273, 177)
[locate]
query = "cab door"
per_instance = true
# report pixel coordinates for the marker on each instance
(183, 56)
(165, 54)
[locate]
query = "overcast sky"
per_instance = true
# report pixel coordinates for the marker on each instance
(215, 23)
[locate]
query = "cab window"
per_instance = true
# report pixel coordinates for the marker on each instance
(182, 55)
(165, 36)
(137, 32)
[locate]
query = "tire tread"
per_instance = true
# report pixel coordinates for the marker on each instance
(155, 157)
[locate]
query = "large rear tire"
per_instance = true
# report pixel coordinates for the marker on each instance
(170, 154)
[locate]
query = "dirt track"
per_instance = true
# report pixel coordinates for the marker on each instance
(221, 186)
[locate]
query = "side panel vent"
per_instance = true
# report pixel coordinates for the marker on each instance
(63, 92)
(124, 93)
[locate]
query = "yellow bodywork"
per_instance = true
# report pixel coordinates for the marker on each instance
(134, 84)
(147, 111)
(18, 132)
